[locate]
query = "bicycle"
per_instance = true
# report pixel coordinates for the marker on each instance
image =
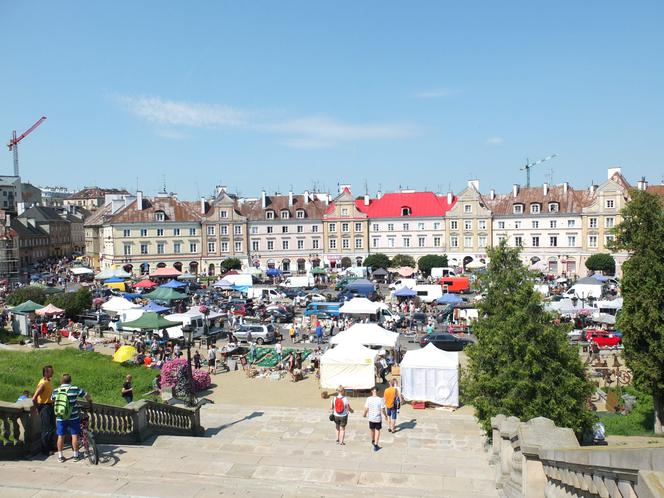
(88, 439)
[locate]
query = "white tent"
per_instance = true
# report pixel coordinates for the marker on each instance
(360, 306)
(110, 273)
(196, 311)
(117, 304)
(81, 270)
(367, 334)
(126, 316)
(430, 374)
(350, 365)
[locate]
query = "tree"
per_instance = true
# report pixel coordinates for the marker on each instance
(425, 263)
(23, 294)
(522, 364)
(231, 264)
(74, 303)
(378, 260)
(403, 260)
(603, 262)
(346, 262)
(641, 320)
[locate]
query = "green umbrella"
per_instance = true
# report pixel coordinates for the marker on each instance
(26, 307)
(150, 321)
(166, 295)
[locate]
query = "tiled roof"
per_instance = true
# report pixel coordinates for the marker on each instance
(571, 202)
(27, 231)
(253, 210)
(174, 210)
(96, 193)
(656, 189)
(42, 213)
(98, 217)
(421, 204)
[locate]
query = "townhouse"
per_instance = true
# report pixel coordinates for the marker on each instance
(346, 229)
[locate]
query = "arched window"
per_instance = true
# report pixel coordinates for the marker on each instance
(405, 211)
(285, 214)
(553, 207)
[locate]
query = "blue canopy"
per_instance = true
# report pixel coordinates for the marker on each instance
(173, 284)
(114, 280)
(405, 292)
(600, 277)
(157, 308)
(131, 295)
(241, 288)
(449, 299)
(273, 272)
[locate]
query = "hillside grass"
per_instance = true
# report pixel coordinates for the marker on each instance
(94, 372)
(638, 422)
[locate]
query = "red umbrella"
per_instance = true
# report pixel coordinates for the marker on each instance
(145, 284)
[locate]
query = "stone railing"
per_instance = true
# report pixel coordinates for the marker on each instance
(20, 425)
(539, 459)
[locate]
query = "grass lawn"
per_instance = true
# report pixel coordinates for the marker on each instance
(94, 372)
(639, 422)
(7, 337)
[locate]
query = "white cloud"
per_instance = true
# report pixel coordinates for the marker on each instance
(436, 93)
(308, 132)
(495, 141)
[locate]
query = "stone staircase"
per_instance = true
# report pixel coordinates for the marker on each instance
(276, 452)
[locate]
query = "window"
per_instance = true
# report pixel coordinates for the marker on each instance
(592, 222)
(223, 214)
(553, 207)
(345, 243)
(270, 245)
(571, 223)
(127, 249)
(144, 248)
(300, 244)
(284, 245)
(481, 225)
(177, 247)
(255, 245)
(390, 227)
(467, 208)
(332, 227)
(436, 225)
(608, 222)
(454, 241)
(553, 224)
(608, 240)
(159, 216)
(467, 241)
(210, 229)
(237, 229)
(224, 246)
(192, 232)
(314, 229)
(345, 227)
(358, 227)
(553, 241)
(436, 241)
(160, 232)
(299, 214)
(176, 232)
(421, 241)
(391, 241)
(238, 246)
(571, 241)
(481, 241)
(300, 229)
(610, 204)
(254, 230)
(405, 211)
(375, 242)
(534, 208)
(535, 224)
(269, 229)
(333, 243)
(269, 215)
(454, 225)
(535, 241)
(406, 227)
(160, 248)
(284, 229)
(501, 238)
(518, 208)
(517, 225)
(592, 241)
(358, 243)
(315, 244)
(285, 214)
(223, 229)
(212, 247)
(144, 232)
(374, 227)
(344, 211)
(126, 232)
(406, 242)
(468, 225)
(420, 226)
(518, 241)
(193, 247)
(501, 224)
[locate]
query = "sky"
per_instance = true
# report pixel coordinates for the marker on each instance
(309, 94)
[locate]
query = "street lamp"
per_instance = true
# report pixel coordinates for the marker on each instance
(188, 333)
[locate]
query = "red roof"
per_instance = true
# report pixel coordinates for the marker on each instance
(421, 204)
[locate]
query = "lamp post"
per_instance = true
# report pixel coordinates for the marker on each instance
(188, 333)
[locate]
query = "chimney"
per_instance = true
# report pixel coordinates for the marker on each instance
(565, 187)
(592, 189)
(263, 199)
(202, 205)
(344, 186)
(515, 190)
(642, 184)
(139, 200)
(379, 194)
(366, 199)
(546, 188)
(612, 171)
(20, 208)
(450, 198)
(290, 198)
(492, 194)
(306, 197)
(474, 184)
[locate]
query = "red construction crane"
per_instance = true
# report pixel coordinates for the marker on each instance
(13, 143)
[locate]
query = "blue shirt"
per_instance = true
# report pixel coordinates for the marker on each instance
(73, 393)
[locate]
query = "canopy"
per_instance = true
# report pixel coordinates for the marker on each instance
(124, 353)
(223, 284)
(157, 308)
(173, 284)
(145, 284)
(165, 295)
(405, 292)
(113, 280)
(273, 272)
(106, 274)
(27, 307)
(151, 321)
(318, 271)
(117, 304)
(166, 272)
(599, 318)
(350, 365)
(359, 306)
(406, 271)
(196, 311)
(449, 299)
(187, 276)
(588, 281)
(600, 277)
(81, 270)
(50, 309)
(367, 334)
(430, 374)
(474, 265)
(380, 272)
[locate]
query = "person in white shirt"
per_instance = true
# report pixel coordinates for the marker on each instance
(374, 411)
(212, 359)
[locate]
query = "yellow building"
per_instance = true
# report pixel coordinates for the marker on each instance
(345, 230)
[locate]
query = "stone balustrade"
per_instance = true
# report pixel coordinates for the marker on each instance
(20, 425)
(539, 459)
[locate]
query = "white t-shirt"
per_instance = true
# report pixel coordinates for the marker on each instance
(375, 405)
(212, 354)
(334, 402)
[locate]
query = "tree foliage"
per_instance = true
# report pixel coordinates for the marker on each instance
(522, 364)
(425, 263)
(403, 260)
(346, 262)
(231, 264)
(378, 260)
(603, 262)
(23, 294)
(641, 234)
(74, 303)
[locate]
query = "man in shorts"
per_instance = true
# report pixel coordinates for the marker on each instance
(71, 425)
(392, 400)
(340, 408)
(212, 359)
(374, 411)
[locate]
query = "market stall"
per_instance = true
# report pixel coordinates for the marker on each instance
(367, 334)
(350, 365)
(430, 374)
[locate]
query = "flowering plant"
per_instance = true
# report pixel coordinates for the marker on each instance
(170, 370)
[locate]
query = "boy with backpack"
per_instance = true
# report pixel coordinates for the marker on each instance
(68, 414)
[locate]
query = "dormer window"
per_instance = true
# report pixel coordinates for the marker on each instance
(405, 211)
(159, 216)
(518, 208)
(269, 215)
(299, 213)
(285, 214)
(553, 207)
(535, 207)
(223, 214)
(344, 211)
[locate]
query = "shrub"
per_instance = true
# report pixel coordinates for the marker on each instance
(169, 374)
(27, 293)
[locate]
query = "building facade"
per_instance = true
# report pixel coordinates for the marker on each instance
(92, 198)
(346, 229)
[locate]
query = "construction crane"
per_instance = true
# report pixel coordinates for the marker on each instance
(530, 165)
(13, 143)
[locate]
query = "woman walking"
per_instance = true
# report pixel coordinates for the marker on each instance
(340, 408)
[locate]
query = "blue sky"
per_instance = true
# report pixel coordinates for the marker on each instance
(278, 94)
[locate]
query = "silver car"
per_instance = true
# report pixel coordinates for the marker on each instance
(260, 334)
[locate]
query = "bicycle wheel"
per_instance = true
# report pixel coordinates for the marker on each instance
(93, 451)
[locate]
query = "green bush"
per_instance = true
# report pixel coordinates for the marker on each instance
(74, 303)
(426, 263)
(602, 262)
(27, 293)
(378, 260)
(638, 422)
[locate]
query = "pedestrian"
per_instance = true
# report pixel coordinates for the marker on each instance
(177, 350)
(212, 359)
(319, 333)
(68, 414)
(278, 351)
(128, 390)
(24, 395)
(197, 360)
(42, 400)
(381, 366)
(374, 410)
(340, 408)
(291, 333)
(392, 400)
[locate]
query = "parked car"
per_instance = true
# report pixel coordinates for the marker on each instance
(446, 342)
(91, 318)
(280, 315)
(260, 334)
(603, 338)
(311, 297)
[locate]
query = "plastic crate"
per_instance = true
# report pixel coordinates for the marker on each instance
(419, 405)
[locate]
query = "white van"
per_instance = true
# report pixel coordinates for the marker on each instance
(444, 271)
(584, 291)
(196, 321)
(299, 282)
(403, 282)
(270, 294)
(428, 293)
